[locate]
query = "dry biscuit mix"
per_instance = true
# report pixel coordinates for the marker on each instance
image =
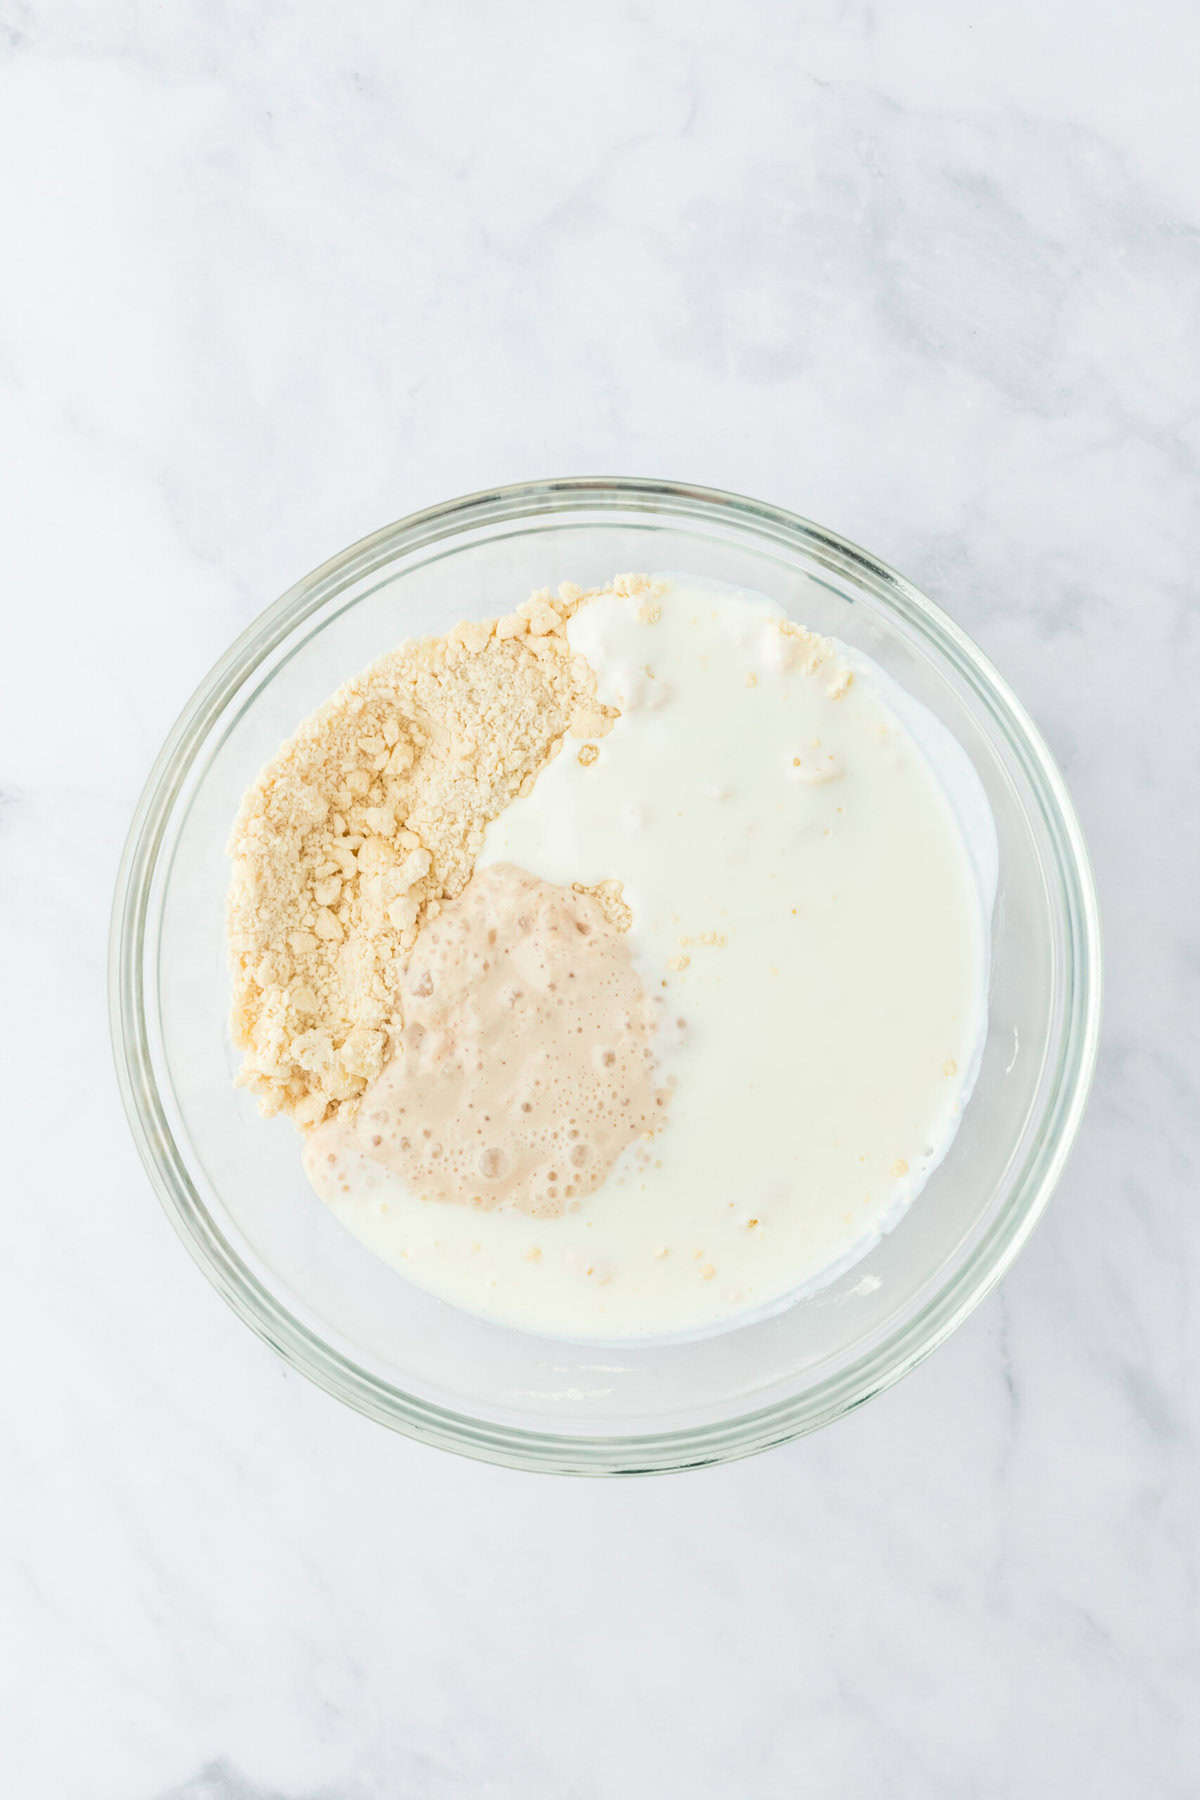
(368, 819)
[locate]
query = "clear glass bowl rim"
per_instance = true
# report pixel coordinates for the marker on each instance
(747, 1433)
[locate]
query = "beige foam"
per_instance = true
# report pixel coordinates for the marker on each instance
(525, 1065)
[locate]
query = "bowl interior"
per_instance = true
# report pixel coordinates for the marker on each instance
(234, 1182)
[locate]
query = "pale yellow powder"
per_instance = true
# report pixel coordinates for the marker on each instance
(368, 819)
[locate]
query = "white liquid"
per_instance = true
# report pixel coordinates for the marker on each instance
(810, 903)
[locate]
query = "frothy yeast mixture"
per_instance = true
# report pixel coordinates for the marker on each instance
(525, 1065)
(807, 864)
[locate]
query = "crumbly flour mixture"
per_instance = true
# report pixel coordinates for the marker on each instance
(369, 819)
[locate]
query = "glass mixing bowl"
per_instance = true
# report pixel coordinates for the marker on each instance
(232, 1182)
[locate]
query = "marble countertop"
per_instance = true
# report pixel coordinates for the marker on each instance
(276, 275)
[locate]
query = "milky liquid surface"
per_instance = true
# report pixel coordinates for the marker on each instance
(810, 864)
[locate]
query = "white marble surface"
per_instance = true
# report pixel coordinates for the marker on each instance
(278, 273)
